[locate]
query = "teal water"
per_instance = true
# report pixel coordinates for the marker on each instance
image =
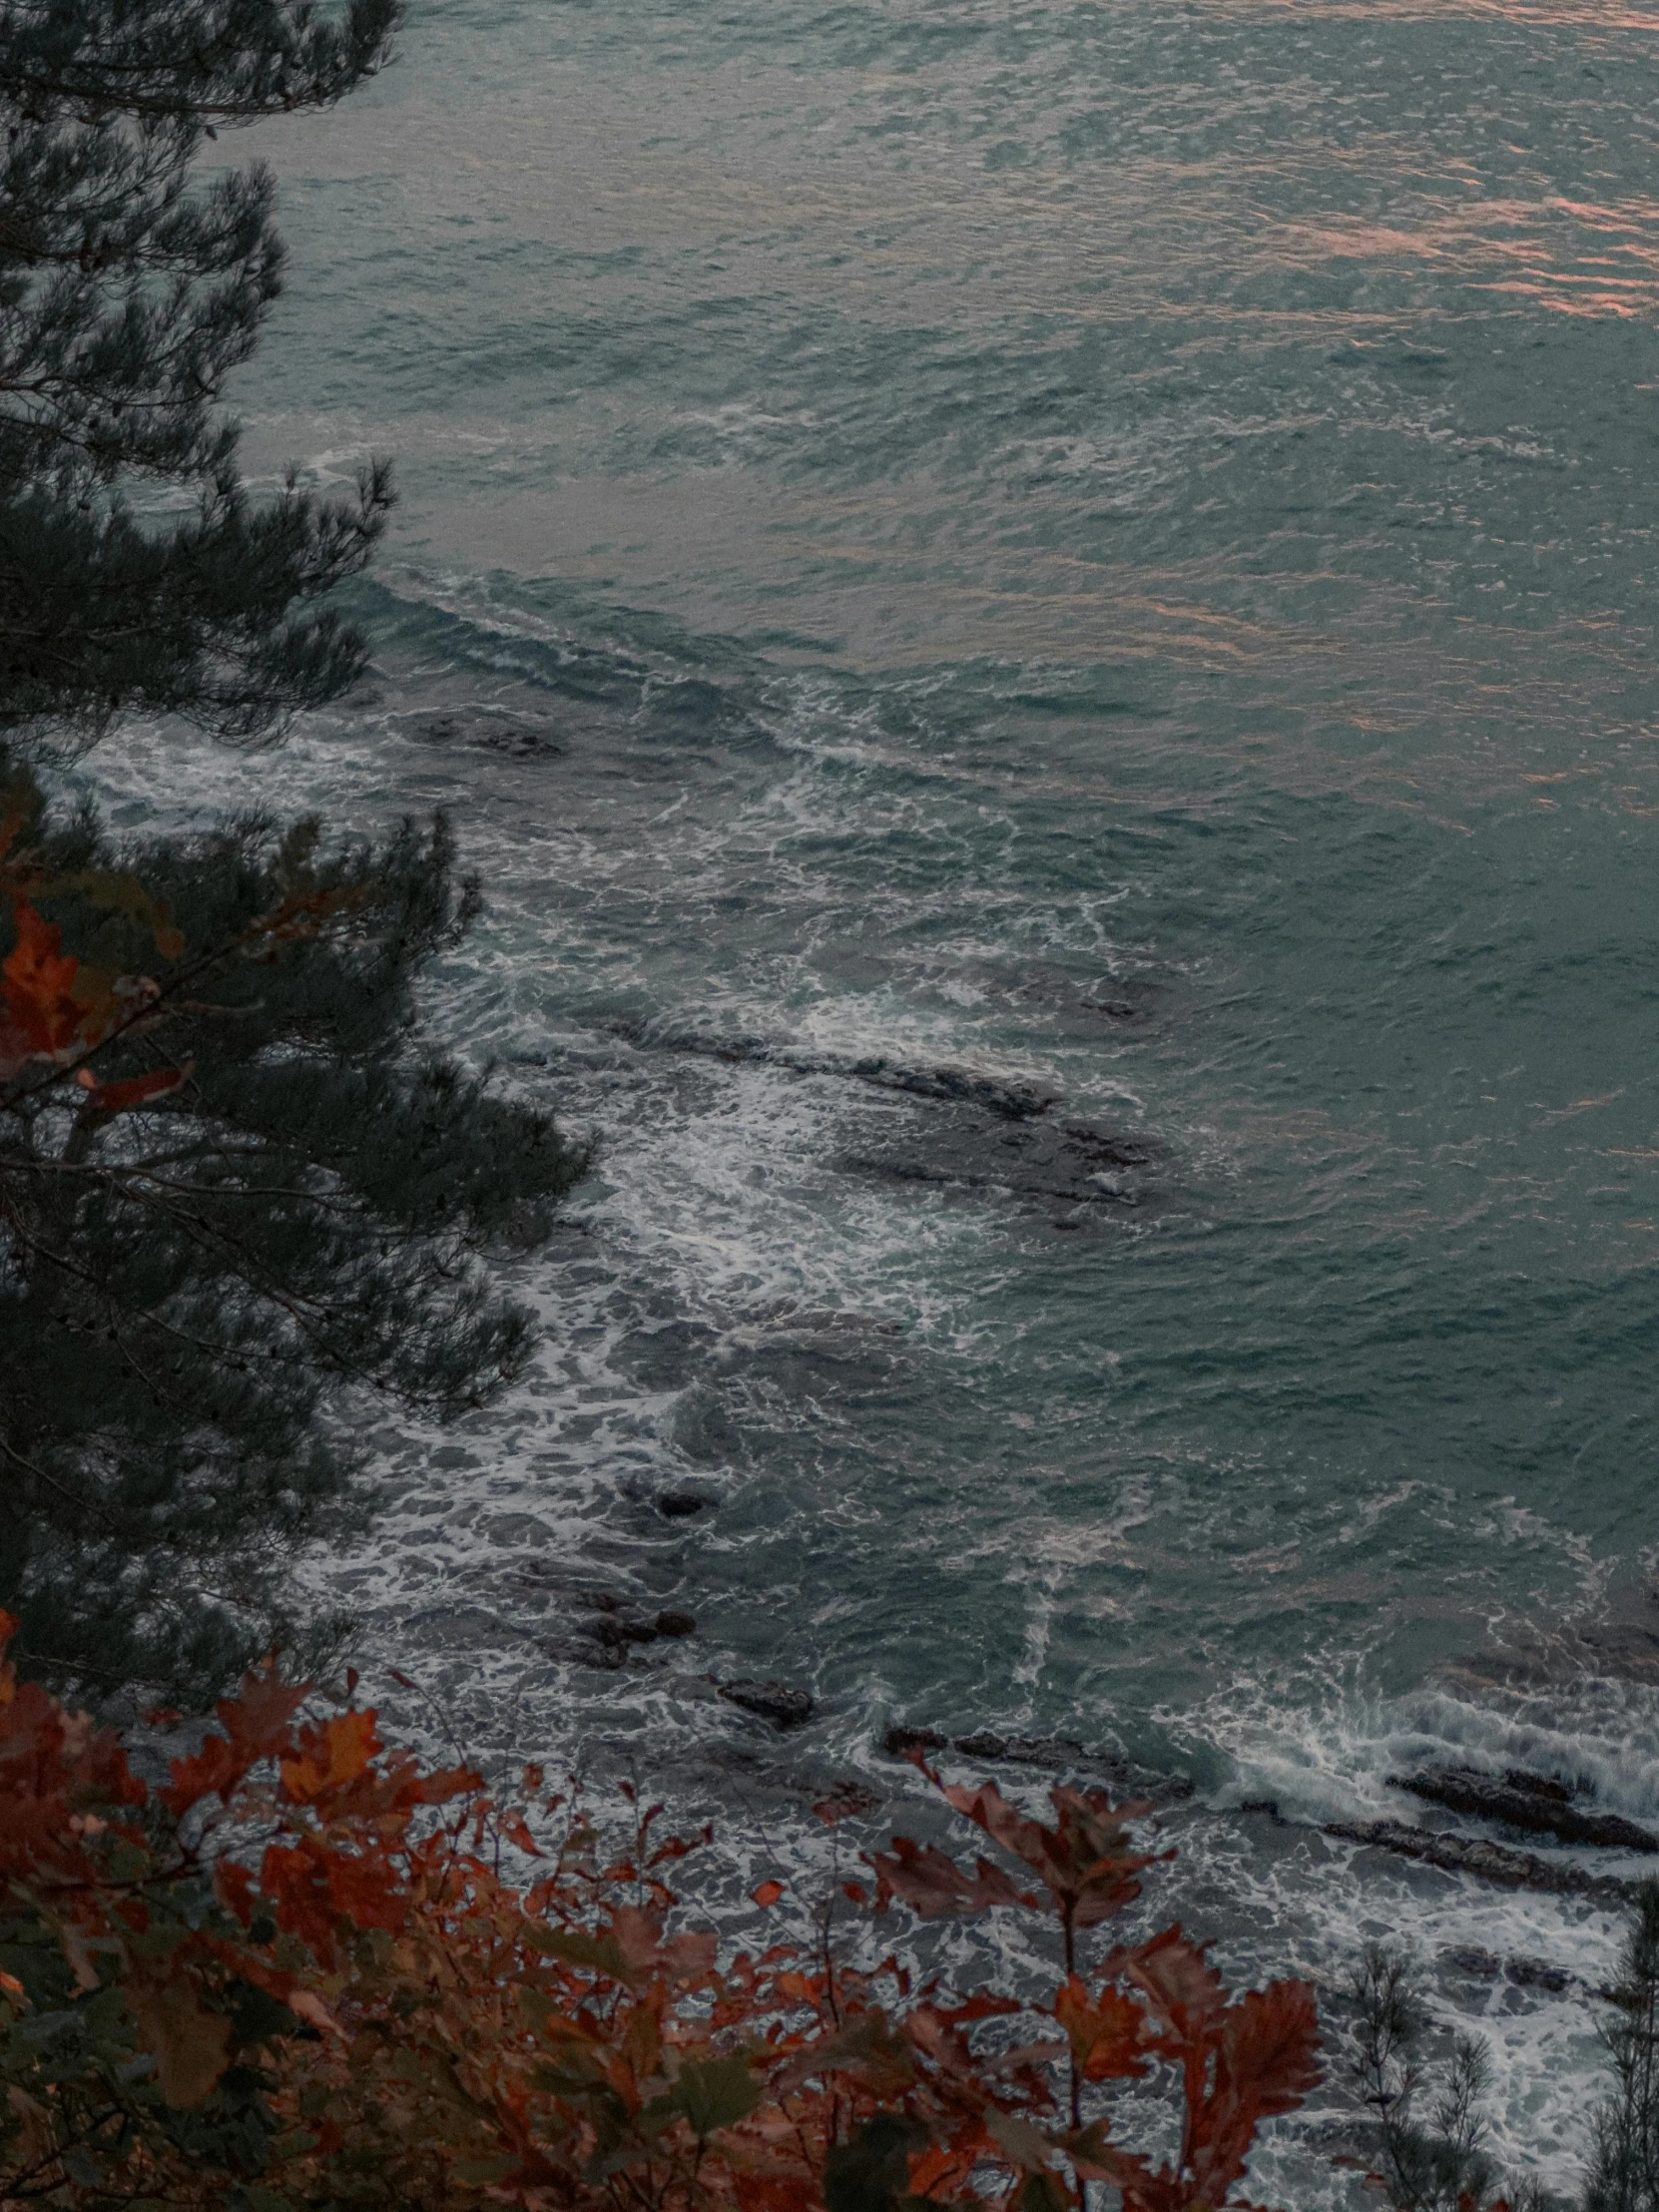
(1109, 548)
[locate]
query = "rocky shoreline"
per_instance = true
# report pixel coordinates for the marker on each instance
(1517, 1800)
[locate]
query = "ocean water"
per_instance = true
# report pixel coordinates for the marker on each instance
(1107, 551)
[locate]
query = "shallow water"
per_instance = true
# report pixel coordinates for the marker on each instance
(1109, 548)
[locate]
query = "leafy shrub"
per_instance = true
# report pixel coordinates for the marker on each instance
(1429, 2127)
(299, 1974)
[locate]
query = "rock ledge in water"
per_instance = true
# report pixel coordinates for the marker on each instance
(1053, 1754)
(1531, 1802)
(1494, 1863)
(774, 1701)
(900, 1742)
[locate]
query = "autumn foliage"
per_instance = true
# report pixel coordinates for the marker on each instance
(308, 1970)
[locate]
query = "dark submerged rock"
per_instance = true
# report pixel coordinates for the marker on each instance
(900, 1742)
(1537, 1973)
(986, 1133)
(676, 1624)
(583, 1651)
(1052, 1752)
(1480, 1966)
(845, 1800)
(1489, 1861)
(516, 740)
(1538, 1785)
(1011, 1100)
(678, 1504)
(773, 1700)
(612, 1628)
(1520, 1974)
(1053, 1755)
(1532, 1802)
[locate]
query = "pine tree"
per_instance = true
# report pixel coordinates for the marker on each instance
(238, 1197)
(126, 298)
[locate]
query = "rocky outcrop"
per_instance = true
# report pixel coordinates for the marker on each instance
(508, 735)
(611, 1629)
(1478, 1855)
(773, 1700)
(1008, 1098)
(992, 1133)
(614, 1623)
(900, 1742)
(1053, 1755)
(1535, 1803)
(1520, 1973)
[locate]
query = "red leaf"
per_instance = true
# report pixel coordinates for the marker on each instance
(1186, 1990)
(1266, 2061)
(39, 981)
(931, 1883)
(132, 1090)
(255, 1724)
(989, 1809)
(768, 1892)
(1269, 2046)
(1106, 2034)
(328, 1757)
(517, 1831)
(236, 1885)
(1086, 1860)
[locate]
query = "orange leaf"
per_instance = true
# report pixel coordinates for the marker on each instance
(328, 1757)
(768, 1894)
(40, 982)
